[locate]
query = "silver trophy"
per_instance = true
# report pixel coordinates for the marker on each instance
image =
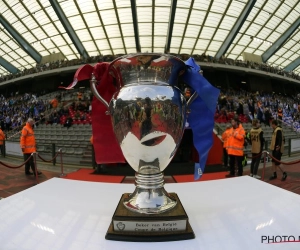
(148, 115)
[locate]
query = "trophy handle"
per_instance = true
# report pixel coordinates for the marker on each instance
(93, 83)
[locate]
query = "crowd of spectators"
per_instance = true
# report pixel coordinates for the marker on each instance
(248, 64)
(16, 109)
(108, 58)
(41, 67)
(263, 106)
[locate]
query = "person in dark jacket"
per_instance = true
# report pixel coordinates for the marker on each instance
(277, 147)
(257, 142)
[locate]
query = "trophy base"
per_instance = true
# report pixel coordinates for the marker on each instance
(172, 225)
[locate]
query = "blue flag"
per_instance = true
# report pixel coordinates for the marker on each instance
(201, 118)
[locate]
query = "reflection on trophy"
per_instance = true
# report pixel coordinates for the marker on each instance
(148, 115)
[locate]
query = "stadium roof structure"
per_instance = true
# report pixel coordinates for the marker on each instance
(33, 29)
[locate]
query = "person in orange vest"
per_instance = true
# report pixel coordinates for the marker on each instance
(54, 103)
(79, 96)
(28, 146)
(225, 136)
(235, 147)
(2, 139)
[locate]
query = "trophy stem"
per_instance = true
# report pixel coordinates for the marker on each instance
(149, 196)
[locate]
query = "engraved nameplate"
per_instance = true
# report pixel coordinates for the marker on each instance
(149, 226)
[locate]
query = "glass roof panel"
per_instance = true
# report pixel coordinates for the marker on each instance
(164, 3)
(274, 36)
(279, 61)
(58, 40)
(37, 21)
(201, 5)
(77, 22)
(19, 26)
(283, 10)
(3, 72)
(84, 35)
(197, 17)
(92, 19)
(127, 29)
(98, 32)
(213, 19)
(235, 8)
(124, 15)
(183, 4)
(123, 3)
(144, 14)
(273, 22)
(129, 43)
(145, 29)
(121, 51)
(178, 29)
(103, 45)
(192, 31)
(227, 22)
(181, 16)
(219, 6)
(214, 46)
(207, 32)
(143, 3)
(106, 52)
(50, 29)
(160, 29)
(8, 14)
(59, 26)
(69, 8)
(161, 14)
(176, 41)
(159, 41)
(68, 51)
(249, 50)
(86, 6)
(265, 32)
(202, 44)
(30, 22)
(185, 51)
(108, 17)
(221, 35)
(90, 45)
(271, 6)
(188, 43)
(105, 4)
(145, 41)
(113, 31)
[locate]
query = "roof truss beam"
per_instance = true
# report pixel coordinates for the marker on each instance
(171, 25)
(280, 41)
(293, 65)
(68, 27)
(8, 66)
(20, 40)
(135, 25)
(235, 29)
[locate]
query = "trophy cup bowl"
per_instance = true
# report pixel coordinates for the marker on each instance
(148, 115)
(148, 120)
